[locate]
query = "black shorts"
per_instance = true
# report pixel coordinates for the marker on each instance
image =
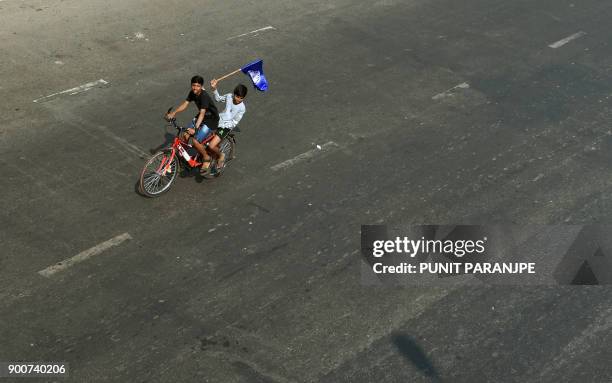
(222, 132)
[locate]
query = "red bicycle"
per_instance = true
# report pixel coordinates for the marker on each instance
(160, 171)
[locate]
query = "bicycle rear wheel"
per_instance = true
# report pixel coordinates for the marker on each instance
(158, 174)
(226, 147)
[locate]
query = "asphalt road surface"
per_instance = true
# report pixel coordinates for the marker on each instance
(426, 112)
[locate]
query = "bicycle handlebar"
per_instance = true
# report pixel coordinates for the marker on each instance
(171, 121)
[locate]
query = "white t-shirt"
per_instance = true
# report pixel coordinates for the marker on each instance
(232, 114)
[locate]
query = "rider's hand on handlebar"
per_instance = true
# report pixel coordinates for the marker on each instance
(191, 131)
(170, 116)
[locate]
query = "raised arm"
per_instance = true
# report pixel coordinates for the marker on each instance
(218, 97)
(213, 85)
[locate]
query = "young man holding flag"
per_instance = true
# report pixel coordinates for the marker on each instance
(229, 118)
(235, 109)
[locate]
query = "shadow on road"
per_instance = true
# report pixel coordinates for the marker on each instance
(412, 352)
(168, 139)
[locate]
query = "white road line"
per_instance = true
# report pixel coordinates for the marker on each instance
(597, 329)
(127, 145)
(552, 16)
(82, 256)
(76, 90)
(566, 40)
(87, 127)
(304, 156)
(249, 33)
(446, 93)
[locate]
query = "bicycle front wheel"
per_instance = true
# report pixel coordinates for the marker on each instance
(158, 174)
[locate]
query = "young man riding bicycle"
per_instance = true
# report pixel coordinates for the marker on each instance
(204, 123)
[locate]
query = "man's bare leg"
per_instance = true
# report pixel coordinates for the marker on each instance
(202, 150)
(214, 147)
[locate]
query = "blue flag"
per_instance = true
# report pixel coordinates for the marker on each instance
(255, 71)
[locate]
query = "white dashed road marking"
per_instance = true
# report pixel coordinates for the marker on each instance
(76, 90)
(463, 85)
(304, 156)
(250, 33)
(566, 40)
(84, 255)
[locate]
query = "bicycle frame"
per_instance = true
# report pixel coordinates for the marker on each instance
(178, 145)
(161, 170)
